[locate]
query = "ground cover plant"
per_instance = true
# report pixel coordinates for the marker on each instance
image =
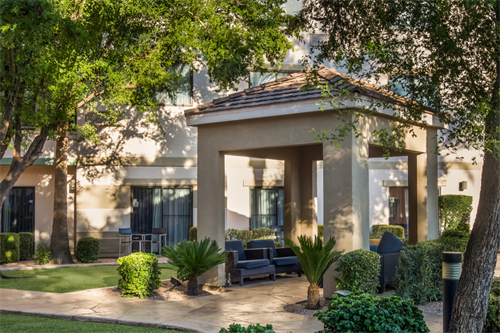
(139, 274)
(368, 313)
(64, 280)
(359, 271)
(237, 328)
(27, 324)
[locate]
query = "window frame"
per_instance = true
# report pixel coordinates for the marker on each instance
(276, 188)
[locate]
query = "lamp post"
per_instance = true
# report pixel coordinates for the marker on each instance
(452, 267)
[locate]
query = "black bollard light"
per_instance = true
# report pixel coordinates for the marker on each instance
(452, 267)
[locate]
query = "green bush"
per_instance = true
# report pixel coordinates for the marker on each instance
(232, 234)
(42, 253)
(262, 233)
(87, 250)
(26, 245)
(454, 210)
(359, 272)
(320, 231)
(237, 328)
(139, 274)
(9, 247)
(379, 229)
(493, 316)
(277, 245)
(193, 234)
(368, 313)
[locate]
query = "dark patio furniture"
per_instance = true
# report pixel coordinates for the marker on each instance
(389, 250)
(284, 259)
(243, 263)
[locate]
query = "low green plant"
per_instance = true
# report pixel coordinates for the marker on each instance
(237, 328)
(9, 247)
(492, 323)
(277, 245)
(42, 253)
(315, 261)
(359, 271)
(454, 210)
(232, 234)
(139, 274)
(262, 233)
(26, 246)
(320, 231)
(379, 229)
(87, 250)
(193, 259)
(368, 313)
(193, 234)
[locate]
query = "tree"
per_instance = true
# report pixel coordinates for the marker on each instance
(117, 53)
(446, 56)
(315, 261)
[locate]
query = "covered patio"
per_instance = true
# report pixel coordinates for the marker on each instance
(274, 121)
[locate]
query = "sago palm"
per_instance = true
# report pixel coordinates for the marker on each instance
(315, 261)
(193, 259)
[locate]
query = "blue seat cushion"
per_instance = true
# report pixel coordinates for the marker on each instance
(285, 261)
(248, 264)
(236, 245)
(125, 231)
(263, 244)
(389, 244)
(373, 247)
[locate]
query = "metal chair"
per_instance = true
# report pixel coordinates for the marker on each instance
(161, 233)
(132, 238)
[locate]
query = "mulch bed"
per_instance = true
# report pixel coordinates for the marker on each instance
(300, 308)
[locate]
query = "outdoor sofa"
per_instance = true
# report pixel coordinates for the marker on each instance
(389, 250)
(284, 259)
(247, 263)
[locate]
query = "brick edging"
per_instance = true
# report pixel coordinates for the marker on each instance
(98, 320)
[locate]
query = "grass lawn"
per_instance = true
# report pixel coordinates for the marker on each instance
(30, 324)
(64, 280)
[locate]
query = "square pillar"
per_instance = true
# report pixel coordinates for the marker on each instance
(346, 199)
(211, 205)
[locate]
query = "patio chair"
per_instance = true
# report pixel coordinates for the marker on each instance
(284, 258)
(161, 233)
(243, 263)
(389, 250)
(130, 239)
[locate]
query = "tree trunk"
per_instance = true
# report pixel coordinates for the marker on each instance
(313, 297)
(471, 300)
(59, 240)
(192, 287)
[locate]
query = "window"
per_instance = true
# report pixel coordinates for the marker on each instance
(256, 79)
(398, 207)
(18, 210)
(157, 207)
(184, 94)
(267, 209)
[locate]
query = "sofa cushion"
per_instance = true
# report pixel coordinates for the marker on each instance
(373, 247)
(248, 264)
(236, 245)
(263, 243)
(285, 261)
(389, 244)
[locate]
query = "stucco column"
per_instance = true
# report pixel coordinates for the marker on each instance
(292, 196)
(308, 224)
(346, 199)
(211, 204)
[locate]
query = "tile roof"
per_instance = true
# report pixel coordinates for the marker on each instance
(289, 89)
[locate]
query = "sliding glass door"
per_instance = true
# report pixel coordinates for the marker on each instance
(18, 210)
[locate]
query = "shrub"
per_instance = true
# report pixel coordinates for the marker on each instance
(379, 229)
(359, 271)
(262, 233)
(193, 259)
(87, 250)
(193, 234)
(9, 247)
(455, 233)
(232, 234)
(368, 313)
(320, 231)
(237, 328)
(277, 245)
(454, 210)
(26, 246)
(493, 316)
(42, 253)
(139, 274)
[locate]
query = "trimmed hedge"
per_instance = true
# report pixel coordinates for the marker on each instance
(9, 247)
(454, 210)
(262, 233)
(193, 234)
(379, 229)
(42, 253)
(87, 250)
(359, 271)
(321, 232)
(247, 235)
(368, 313)
(139, 274)
(26, 245)
(493, 316)
(237, 328)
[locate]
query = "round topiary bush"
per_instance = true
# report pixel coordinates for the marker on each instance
(359, 272)
(193, 234)
(368, 313)
(42, 254)
(9, 247)
(139, 274)
(87, 250)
